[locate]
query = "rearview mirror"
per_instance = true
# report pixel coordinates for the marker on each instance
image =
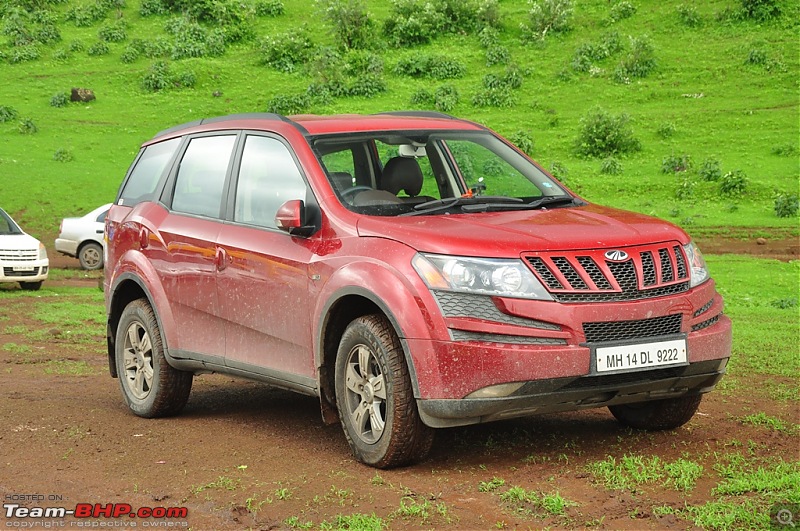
(291, 217)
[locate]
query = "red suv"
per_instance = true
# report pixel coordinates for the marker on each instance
(410, 269)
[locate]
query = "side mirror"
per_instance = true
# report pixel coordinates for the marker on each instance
(291, 217)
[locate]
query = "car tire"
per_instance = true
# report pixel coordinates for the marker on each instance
(375, 398)
(665, 414)
(150, 386)
(91, 256)
(31, 286)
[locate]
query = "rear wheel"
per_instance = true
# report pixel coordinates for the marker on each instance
(31, 286)
(150, 386)
(658, 414)
(91, 256)
(375, 398)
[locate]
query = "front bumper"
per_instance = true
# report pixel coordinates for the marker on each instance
(572, 394)
(24, 271)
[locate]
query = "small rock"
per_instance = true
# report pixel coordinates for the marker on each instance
(217, 93)
(82, 94)
(761, 241)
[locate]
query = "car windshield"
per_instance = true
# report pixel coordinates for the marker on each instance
(7, 225)
(427, 173)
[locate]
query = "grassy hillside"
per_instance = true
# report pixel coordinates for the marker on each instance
(722, 86)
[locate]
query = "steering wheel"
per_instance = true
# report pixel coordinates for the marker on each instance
(354, 190)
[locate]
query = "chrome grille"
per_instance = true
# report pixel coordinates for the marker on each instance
(638, 329)
(19, 255)
(649, 271)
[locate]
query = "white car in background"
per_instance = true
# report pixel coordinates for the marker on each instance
(83, 238)
(23, 258)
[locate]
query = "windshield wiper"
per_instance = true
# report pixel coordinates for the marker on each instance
(438, 205)
(542, 202)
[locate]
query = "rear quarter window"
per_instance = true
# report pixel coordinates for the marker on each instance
(143, 179)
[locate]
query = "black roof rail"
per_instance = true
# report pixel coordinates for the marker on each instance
(240, 116)
(419, 114)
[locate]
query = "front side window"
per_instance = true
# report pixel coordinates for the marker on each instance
(7, 225)
(200, 182)
(268, 177)
(141, 184)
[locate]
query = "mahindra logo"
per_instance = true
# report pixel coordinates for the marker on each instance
(616, 256)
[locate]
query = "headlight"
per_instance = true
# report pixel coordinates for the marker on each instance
(699, 273)
(485, 276)
(42, 252)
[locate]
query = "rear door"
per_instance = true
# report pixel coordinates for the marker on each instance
(263, 286)
(188, 259)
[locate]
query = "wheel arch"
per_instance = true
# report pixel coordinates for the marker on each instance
(347, 305)
(127, 288)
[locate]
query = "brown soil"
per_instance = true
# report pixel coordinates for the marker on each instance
(243, 455)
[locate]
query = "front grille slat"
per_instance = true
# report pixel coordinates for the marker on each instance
(605, 331)
(650, 271)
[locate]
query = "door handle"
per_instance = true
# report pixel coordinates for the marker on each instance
(221, 258)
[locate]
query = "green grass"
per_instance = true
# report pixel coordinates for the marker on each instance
(742, 114)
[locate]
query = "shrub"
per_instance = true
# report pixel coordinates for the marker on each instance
(621, 11)
(350, 23)
(288, 51)
(446, 98)
(76, 46)
(761, 10)
(676, 163)
(22, 54)
(785, 150)
(492, 167)
(422, 97)
(409, 26)
(287, 105)
(467, 16)
(63, 155)
(414, 22)
(61, 55)
(733, 183)
(501, 96)
(59, 99)
(588, 53)
(666, 130)
(359, 62)
(603, 134)
(7, 114)
(130, 54)
(497, 55)
(523, 140)
(559, 171)
(757, 56)
(685, 189)
(269, 8)
(430, 66)
(786, 205)
(639, 62)
(709, 170)
(688, 16)
(86, 15)
(547, 16)
(611, 166)
(98, 48)
(27, 127)
(152, 7)
(488, 37)
(156, 48)
(366, 85)
(161, 77)
(114, 32)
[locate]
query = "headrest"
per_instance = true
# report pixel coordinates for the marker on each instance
(401, 173)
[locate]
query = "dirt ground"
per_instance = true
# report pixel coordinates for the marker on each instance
(243, 455)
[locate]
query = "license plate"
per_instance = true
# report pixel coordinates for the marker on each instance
(22, 268)
(641, 356)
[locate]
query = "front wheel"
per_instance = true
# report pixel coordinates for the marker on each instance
(375, 398)
(150, 386)
(665, 414)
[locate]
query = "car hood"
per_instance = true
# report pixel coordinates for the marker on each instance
(507, 234)
(18, 242)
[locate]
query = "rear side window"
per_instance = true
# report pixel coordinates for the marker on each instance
(268, 177)
(142, 182)
(201, 177)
